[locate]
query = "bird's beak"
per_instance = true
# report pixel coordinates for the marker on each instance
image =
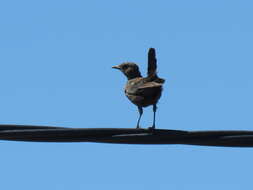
(116, 67)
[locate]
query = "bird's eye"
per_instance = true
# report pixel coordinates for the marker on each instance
(124, 67)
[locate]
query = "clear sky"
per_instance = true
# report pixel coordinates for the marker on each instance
(55, 69)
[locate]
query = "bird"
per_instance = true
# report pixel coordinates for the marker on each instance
(143, 91)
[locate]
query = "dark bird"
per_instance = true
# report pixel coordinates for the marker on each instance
(142, 91)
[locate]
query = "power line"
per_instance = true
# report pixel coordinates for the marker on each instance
(125, 136)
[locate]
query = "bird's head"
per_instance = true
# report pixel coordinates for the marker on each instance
(131, 70)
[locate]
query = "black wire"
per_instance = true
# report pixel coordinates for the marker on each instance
(125, 136)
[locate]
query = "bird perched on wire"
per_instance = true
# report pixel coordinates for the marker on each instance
(143, 91)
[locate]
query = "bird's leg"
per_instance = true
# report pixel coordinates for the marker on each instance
(140, 112)
(154, 110)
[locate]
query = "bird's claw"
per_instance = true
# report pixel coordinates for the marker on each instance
(151, 128)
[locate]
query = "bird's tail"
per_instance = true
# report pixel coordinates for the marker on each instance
(152, 66)
(152, 62)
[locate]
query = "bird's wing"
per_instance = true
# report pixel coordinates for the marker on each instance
(151, 62)
(144, 88)
(150, 85)
(150, 89)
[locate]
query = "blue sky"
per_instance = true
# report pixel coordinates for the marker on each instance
(55, 69)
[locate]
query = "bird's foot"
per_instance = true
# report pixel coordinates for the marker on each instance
(151, 128)
(138, 127)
